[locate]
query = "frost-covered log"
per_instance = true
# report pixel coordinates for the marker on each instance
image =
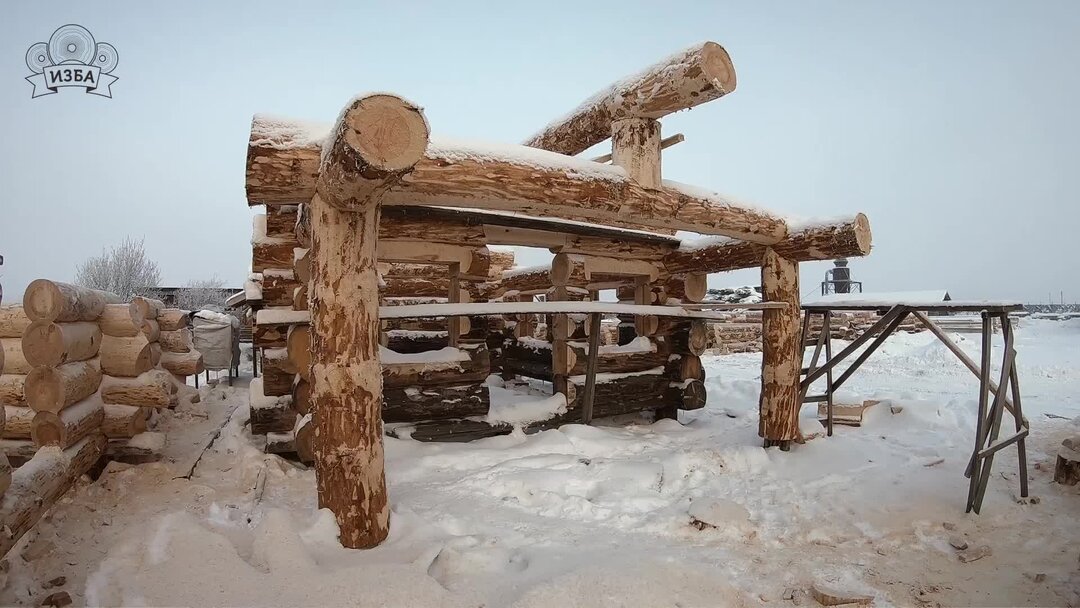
(849, 237)
(153, 388)
(781, 358)
(52, 344)
(13, 321)
(51, 389)
(416, 403)
(69, 425)
(450, 365)
(39, 483)
(183, 364)
(127, 357)
(687, 79)
(52, 301)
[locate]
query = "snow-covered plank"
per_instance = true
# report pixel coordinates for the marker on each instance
(510, 308)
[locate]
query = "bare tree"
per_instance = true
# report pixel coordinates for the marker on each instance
(123, 270)
(203, 294)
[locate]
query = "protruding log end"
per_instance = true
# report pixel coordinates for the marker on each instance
(861, 230)
(716, 66)
(377, 139)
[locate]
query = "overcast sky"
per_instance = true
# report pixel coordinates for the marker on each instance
(953, 125)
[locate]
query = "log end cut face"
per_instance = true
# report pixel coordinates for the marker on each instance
(41, 300)
(388, 132)
(862, 233)
(717, 67)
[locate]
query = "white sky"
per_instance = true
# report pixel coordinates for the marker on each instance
(954, 125)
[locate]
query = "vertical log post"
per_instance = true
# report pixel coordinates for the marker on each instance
(781, 358)
(635, 146)
(376, 140)
(559, 330)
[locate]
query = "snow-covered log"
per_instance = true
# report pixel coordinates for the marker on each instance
(279, 284)
(153, 388)
(52, 301)
(269, 414)
(51, 389)
(277, 374)
(123, 421)
(416, 403)
(687, 79)
(781, 358)
(849, 237)
(52, 344)
(450, 365)
(39, 483)
(69, 425)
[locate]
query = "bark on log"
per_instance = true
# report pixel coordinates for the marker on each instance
(635, 146)
(51, 301)
(409, 342)
(281, 221)
(781, 361)
(127, 357)
(175, 341)
(414, 227)
(298, 345)
(69, 426)
(35, 487)
(475, 369)
(697, 75)
(690, 287)
(51, 389)
(52, 344)
(13, 321)
(11, 389)
(268, 254)
(415, 403)
(116, 321)
(172, 319)
(615, 362)
(276, 372)
(621, 396)
(123, 421)
(278, 286)
(346, 375)
(154, 388)
(183, 364)
(688, 395)
(17, 422)
(280, 154)
(143, 308)
(849, 238)
(13, 360)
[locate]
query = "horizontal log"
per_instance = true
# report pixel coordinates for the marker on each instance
(847, 238)
(690, 287)
(13, 321)
(175, 341)
(694, 76)
(13, 361)
(140, 449)
(546, 184)
(51, 389)
(17, 422)
(414, 403)
(172, 319)
(116, 321)
(409, 341)
(475, 368)
(474, 261)
(11, 389)
(52, 344)
(269, 414)
(153, 388)
(272, 253)
(52, 301)
(36, 486)
(183, 364)
(68, 426)
(151, 330)
(276, 372)
(127, 357)
(143, 308)
(123, 421)
(280, 443)
(281, 221)
(278, 286)
(621, 395)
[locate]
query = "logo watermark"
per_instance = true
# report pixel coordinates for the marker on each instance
(72, 58)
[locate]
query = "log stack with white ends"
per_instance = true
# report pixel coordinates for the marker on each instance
(13, 371)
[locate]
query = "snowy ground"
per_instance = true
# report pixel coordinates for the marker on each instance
(603, 516)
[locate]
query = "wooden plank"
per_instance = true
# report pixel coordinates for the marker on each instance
(567, 307)
(590, 371)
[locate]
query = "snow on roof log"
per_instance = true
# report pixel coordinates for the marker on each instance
(517, 178)
(689, 78)
(809, 240)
